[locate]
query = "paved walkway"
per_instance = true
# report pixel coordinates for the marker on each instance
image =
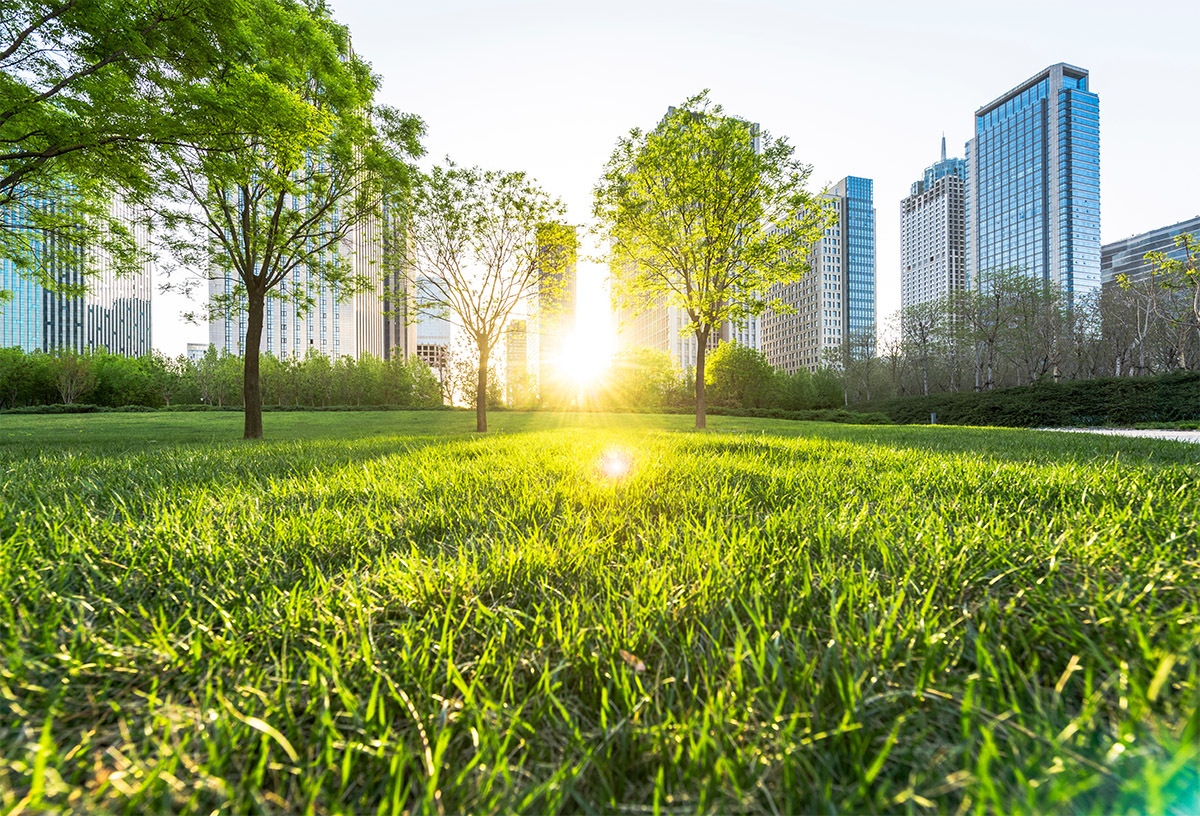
(1177, 436)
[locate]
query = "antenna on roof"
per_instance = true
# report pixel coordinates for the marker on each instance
(943, 145)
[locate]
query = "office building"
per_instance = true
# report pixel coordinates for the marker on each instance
(432, 330)
(1033, 170)
(113, 314)
(836, 299)
(516, 359)
(553, 320)
(1128, 257)
(196, 351)
(399, 324)
(933, 233)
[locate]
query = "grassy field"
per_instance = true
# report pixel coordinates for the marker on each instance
(385, 613)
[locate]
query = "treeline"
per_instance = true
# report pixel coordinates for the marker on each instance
(736, 377)
(156, 381)
(1018, 331)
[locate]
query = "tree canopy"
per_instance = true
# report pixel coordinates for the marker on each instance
(705, 213)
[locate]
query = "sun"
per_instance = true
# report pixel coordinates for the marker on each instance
(584, 360)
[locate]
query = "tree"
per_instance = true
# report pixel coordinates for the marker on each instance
(74, 374)
(739, 376)
(257, 207)
(474, 248)
(920, 326)
(640, 378)
(87, 89)
(697, 217)
(1176, 282)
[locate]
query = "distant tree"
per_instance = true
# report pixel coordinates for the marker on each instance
(474, 247)
(739, 376)
(74, 374)
(920, 326)
(640, 378)
(793, 392)
(255, 207)
(1174, 288)
(699, 219)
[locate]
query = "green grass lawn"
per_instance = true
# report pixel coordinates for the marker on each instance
(383, 612)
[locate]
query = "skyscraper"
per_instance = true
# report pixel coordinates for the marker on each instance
(1128, 257)
(836, 299)
(1033, 172)
(516, 359)
(113, 315)
(554, 317)
(933, 252)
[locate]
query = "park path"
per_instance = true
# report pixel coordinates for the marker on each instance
(1177, 436)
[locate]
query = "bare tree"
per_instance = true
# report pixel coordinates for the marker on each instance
(474, 247)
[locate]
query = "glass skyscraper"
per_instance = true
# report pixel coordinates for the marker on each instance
(1034, 183)
(837, 297)
(113, 315)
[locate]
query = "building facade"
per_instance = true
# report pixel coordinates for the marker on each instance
(837, 298)
(516, 362)
(114, 313)
(1033, 171)
(1128, 257)
(933, 233)
(553, 319)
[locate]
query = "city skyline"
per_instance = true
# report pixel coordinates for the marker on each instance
(556, 110)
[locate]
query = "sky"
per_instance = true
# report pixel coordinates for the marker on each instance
(858, 88)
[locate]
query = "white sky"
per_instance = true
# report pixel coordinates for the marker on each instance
(859, 88)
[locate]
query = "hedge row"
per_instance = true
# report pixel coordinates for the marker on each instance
(1109, 401)
(818, 415)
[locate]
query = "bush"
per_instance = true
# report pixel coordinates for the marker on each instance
(1110, 401)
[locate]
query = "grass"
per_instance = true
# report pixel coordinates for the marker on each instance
(385, 613)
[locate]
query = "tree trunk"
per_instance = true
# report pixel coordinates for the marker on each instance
(701, 404)
(481, 391)
(250, 384)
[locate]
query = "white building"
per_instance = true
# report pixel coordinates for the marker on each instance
(933, 234)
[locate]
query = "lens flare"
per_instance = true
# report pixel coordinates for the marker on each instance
(615, 464)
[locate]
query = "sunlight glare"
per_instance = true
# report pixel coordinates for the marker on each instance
(583, 361)
(615, 464)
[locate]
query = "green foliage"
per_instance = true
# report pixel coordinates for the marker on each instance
(87, 89)
(1109, 401)
(641, 379)
(739, 376)
(699, 219)
(771, 618)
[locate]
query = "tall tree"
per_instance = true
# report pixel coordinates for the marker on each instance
(705, 213)
(87, 89)
(255, 207)
(1175, 285)
(475, 253)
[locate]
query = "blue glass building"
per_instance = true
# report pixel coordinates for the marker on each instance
(857, 220)
(113, 315)
(1034, 183)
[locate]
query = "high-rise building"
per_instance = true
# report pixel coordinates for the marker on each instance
(1033, 170)
(554, 317)
(399, 325)
(334, 326)
(432, 331)
(1128, 257)
(113, 315)
(196, 351)
(933, 227)
(837, 298)
(516, 359)
(664, 328)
